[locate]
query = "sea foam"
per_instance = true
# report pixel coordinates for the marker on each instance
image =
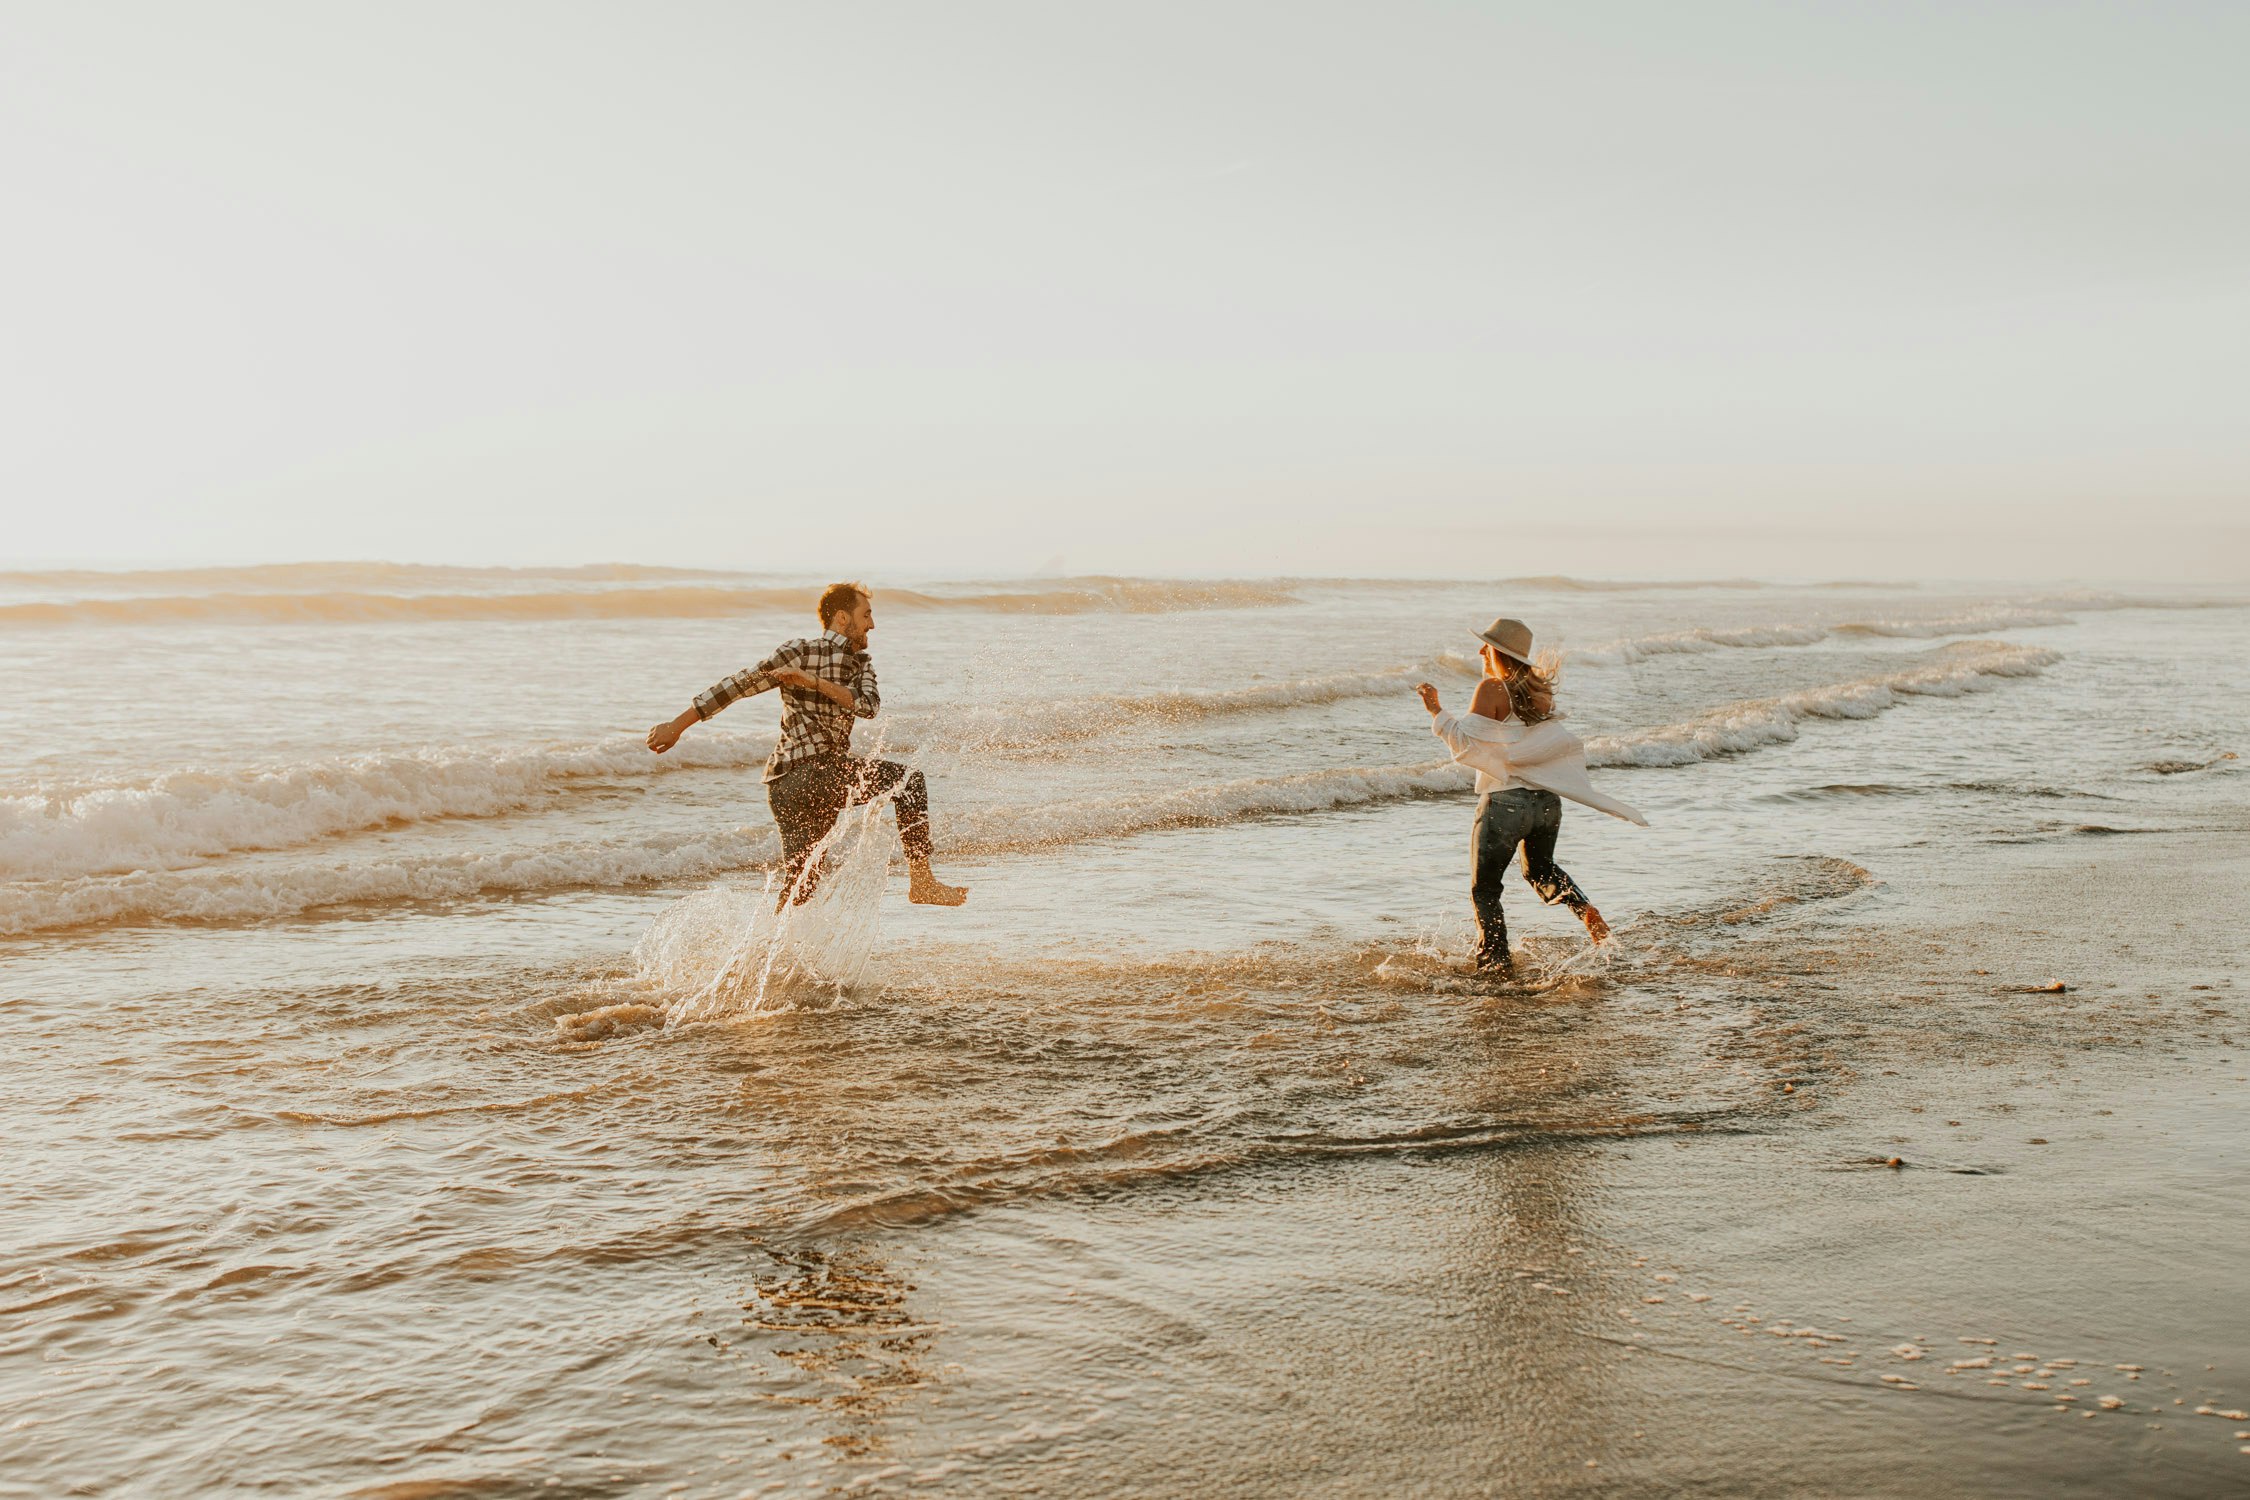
(278, 885)
(1965, 667)
(192, 815)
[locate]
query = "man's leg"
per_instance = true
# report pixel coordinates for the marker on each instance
(806, 802)
(910, 801)
(1550, 880)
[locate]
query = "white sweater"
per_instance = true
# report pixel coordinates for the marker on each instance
(1506, 753)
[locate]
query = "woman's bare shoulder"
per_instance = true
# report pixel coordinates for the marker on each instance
(1491, 700)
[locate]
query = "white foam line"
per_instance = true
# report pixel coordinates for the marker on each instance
(1966, 667)
(198, 814)
(286, 886)
(1208, 805)
(192, 815)
(1767, 637)
(1012, 727)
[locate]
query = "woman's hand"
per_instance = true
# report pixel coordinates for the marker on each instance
(1429, 696)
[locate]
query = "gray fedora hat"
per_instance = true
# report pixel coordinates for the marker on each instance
(1511, 638)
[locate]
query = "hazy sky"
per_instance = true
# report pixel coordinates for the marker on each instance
(1631, 289)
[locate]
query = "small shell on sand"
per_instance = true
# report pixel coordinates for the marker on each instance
(2037, 1385)
(1981, 1362)
(1652, 1299)
(2109, 1403)
(1906, 1351)
(1997, 1380)
(2236, 1416)
(1664, 1276)
(2136, 1369)
(2082, 1380)
(1699, 1296)
(1988, 1343)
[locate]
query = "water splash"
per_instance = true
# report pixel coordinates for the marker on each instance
(726, 952)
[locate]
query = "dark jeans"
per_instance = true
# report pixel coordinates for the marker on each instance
(1506, 820)
(808, 799)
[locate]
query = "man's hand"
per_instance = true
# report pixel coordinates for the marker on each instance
(1429, 696)
(834, 692)
(664, 736)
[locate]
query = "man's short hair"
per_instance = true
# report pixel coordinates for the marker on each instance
(840, 599)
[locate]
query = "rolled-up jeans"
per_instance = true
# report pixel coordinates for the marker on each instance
(809, 798)
(1525, 818)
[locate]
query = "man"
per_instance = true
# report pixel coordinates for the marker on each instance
(812, 776)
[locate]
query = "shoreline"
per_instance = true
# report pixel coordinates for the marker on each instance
(1476, 1322)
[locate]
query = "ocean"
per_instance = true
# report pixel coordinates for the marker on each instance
(414, 1093)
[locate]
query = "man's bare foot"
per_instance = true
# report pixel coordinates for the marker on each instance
(925, 889)
(1596, 928)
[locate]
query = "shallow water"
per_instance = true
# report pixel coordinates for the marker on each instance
(411, 1084)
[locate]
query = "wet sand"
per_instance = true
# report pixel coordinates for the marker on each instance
(1763, 1309)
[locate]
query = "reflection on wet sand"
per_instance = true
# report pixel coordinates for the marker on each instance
(842, 1320)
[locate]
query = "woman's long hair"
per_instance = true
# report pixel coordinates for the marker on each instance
(1527, 683)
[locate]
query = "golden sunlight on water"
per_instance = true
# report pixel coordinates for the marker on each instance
(410, 1109)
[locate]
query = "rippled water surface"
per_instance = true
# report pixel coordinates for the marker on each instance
(411, 1086)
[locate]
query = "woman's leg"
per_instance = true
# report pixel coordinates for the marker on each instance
(1500, 826)
(1550, 880)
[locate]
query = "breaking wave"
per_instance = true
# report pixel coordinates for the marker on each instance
(193, 815)
(1016, 727)
(1767, 637)
(1736, 728)
(281, 887)
(276, 889)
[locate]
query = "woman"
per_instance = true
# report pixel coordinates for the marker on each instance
(1525, 764)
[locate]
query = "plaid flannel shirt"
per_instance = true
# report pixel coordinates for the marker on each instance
(811, 726)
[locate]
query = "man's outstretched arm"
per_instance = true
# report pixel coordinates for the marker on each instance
(774, 670)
